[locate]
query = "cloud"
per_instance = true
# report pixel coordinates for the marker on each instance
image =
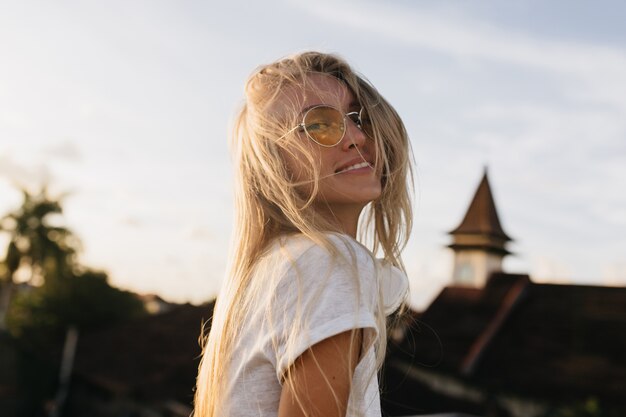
(24, 176)
(599, 70)
(614, 274)
(12, 118)
(199, 233)
(131, 221)
(67, 150)
(550, 270)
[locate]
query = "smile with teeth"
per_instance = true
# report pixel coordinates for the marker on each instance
(355, 166)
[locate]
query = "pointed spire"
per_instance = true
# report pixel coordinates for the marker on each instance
(481, 221)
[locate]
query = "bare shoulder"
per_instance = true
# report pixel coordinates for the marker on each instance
(318, 383)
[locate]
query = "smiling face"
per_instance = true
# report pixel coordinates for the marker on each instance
(347, 179)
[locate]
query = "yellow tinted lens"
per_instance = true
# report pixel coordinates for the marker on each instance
(366, 123)
(324, 125)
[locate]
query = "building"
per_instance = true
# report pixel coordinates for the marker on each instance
(479, 242)
(498, 344)
(143, 368)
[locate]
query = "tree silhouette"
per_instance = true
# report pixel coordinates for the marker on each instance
(84, 300)
(37, 247)
(63, 297)
(65, 293)
(35, 240)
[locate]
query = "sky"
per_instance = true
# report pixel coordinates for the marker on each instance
(126, 107)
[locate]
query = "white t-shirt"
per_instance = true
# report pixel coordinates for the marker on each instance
(325, 293)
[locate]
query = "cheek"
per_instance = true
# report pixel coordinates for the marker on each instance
(298, 164)
(327, 160)
(294, 169)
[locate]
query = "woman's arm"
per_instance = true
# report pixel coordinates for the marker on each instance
(322, 378)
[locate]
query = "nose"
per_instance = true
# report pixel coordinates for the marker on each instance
(353, 136)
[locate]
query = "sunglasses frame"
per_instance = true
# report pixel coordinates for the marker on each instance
(358, 123)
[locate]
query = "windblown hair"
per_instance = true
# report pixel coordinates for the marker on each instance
(270, 204)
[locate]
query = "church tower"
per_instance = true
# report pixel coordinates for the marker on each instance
(479, 241)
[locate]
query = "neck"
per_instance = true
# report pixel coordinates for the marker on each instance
(346, 216)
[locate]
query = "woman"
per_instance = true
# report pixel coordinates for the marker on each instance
(299, 326)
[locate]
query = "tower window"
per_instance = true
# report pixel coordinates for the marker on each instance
(466, 273)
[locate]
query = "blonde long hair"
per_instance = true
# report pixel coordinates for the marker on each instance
(268, 203)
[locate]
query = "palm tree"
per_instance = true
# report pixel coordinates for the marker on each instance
(36, 245)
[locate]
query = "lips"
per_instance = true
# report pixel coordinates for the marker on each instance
(350, 163)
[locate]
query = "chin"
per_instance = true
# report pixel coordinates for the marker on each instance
(373, 194)
(357, 200)
(358, 195)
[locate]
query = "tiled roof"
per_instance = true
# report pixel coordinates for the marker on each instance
(151, 358)
(543, 340)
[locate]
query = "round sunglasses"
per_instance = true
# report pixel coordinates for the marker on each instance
(326, 125)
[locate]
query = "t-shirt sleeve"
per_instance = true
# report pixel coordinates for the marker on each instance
(320, 296)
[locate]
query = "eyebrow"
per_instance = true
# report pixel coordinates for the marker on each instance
(306, 109)
(353, 104)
